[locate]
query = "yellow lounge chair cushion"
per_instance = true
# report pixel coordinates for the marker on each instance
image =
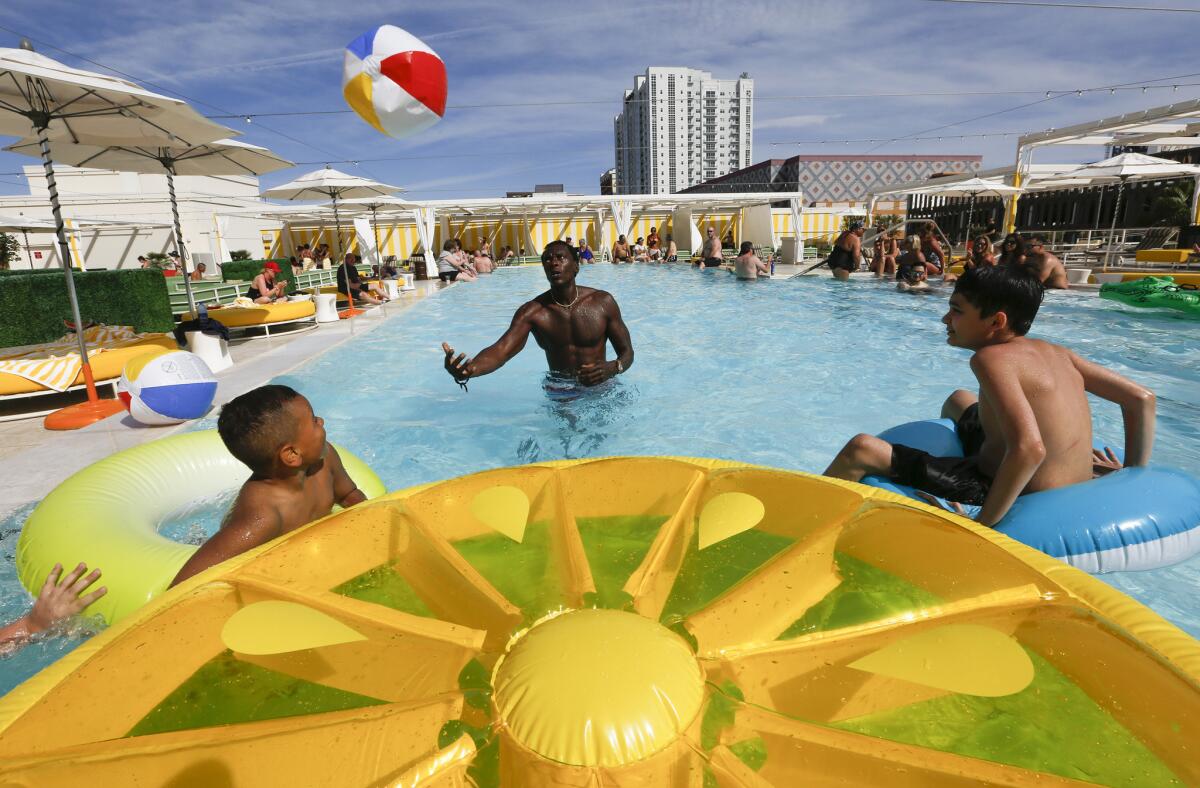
(1162, 255)
(106, 366)
(261, 314)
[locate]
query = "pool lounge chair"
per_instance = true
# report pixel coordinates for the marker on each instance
(107, 365)
(266, 316)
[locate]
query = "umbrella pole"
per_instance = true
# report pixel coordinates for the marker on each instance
(28, 253)
(94, 409)
(1113, 227)
(187, 276)
(970, 214)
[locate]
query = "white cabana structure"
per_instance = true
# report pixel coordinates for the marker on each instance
(1176, 125)
(408, 227)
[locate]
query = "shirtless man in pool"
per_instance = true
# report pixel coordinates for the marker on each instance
(1044, 265)
(572, 324)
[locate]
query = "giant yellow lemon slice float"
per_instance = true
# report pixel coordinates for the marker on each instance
(623, 622)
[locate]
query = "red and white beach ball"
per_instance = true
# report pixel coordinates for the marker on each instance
(394, 81)
(167, 388)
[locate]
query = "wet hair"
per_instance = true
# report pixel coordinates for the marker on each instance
(256, 424)
(1007, 288)
(746, 247)
(448, 245)
(670, 237)
(570, 250)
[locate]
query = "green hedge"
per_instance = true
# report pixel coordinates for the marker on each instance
(26, 272)
(33, 307)
(246, 270)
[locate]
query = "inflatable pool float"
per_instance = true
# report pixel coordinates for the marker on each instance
(1135, 518)
(108, 514)
(623, 622)
(1150, 292)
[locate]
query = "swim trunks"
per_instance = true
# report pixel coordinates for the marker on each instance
(712, 262)
(953, 478)
(841, 258)
(448, 276)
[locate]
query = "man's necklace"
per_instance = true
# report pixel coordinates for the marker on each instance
(566, 306)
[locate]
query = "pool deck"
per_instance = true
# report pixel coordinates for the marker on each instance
(33, 460)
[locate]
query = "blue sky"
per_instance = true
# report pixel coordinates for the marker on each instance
(277, 56)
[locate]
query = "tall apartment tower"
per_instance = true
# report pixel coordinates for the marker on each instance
(679, 127)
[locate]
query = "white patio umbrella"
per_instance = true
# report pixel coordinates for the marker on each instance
(1125, 167)
(374, 205)
(45, 98)
(972, 187)
(333, 184)
(222, 157)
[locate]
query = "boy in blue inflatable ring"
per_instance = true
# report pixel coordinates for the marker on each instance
(1030, 428)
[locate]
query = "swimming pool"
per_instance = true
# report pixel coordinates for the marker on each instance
(776, 372)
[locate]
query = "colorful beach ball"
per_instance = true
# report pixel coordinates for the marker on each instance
(167, 388)
(394, 81)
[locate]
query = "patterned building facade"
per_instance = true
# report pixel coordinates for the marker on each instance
(826, 180)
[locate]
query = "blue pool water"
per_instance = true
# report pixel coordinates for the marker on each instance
(776, 372)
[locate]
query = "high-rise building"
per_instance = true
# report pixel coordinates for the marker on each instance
(679, 127)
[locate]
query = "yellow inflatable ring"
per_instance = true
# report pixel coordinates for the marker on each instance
(623, 622)
(107, 516)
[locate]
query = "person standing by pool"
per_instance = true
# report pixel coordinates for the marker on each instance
(747, 265)
(572, 324)
(1046, 266)
(710, 252)
(1030, 427)
(847, 252)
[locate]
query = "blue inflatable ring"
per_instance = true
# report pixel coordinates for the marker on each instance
(1135, 518)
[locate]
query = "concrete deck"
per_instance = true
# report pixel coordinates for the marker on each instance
(33, 460)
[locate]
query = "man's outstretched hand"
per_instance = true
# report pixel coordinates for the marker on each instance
(457, 367)
(595, 374)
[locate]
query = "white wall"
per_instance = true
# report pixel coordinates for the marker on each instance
(133, 198)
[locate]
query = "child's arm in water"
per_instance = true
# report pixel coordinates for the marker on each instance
(345, 491)
(56, 601)
(1137, 406)
(251, 522)
(1000, 385)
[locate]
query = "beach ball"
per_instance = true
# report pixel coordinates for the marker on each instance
(167, 388)
(394, 81)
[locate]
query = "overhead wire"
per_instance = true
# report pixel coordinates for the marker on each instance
(1087, 6)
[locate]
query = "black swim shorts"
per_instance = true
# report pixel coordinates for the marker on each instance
(712, 262)
(448, 276)
(953, 478)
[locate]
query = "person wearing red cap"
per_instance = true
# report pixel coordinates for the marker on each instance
(264, 289)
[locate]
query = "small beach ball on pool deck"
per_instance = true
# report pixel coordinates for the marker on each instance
(394, 81)
(167, 388)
